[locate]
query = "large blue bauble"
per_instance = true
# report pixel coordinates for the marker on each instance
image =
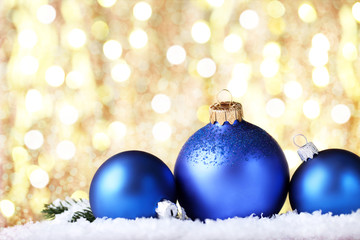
(129, 185)
(329, 182)
(226, 171)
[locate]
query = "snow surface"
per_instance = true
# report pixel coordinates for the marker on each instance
(286, 226)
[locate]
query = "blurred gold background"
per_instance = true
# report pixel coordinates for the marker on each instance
(82, 80)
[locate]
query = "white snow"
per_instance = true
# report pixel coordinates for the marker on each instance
(286, 226)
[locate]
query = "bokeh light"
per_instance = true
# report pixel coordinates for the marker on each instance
(162, 131)
(65, 150)
(200, 32)
(340, 113)
(55, 76)
(39, 178)
(232, 43)
(121, 72)
(249, 19)
(27, 38)
(33, 101)
(293, 89)
(307, 13)
(142, 11)
(46, 14)
(68, 114)
(311, 109)
(112, 49)
(206, 67)
(176, 54)
(320, 76)
(216, 3)
(76, 38)
(275, 9)
(33, 139)
(161, 103)
(7, 208)
(29, 65)
(138, 38)
(275, 107)
(107, 3)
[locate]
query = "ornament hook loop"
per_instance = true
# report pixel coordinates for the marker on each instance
(297, 135)
(224, 90)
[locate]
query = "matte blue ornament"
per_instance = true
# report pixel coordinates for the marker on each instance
(129, 185)
(231, 168)
(328, 180)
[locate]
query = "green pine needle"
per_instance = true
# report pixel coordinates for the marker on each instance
(51, 210)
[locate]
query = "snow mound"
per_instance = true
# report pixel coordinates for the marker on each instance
(286, 226)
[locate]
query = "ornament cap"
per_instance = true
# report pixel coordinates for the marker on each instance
(307, 151)
(227, 111)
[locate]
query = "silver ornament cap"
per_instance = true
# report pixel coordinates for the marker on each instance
(306, 151)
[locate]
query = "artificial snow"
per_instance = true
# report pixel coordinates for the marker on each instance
(285, 226)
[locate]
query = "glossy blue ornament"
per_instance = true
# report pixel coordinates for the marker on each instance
(231, 170)
(329, 182)
(129, 185)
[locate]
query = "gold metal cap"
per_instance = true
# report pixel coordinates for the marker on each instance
(227, 111)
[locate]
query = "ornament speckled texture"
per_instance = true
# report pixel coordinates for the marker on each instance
(130, 185)
(231, 170)
(329, 182)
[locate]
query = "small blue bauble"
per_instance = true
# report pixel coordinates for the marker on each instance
(329, 182)
(231, 170)
(129, 185)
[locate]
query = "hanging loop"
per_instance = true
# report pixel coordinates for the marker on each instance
(224, 90)
(301, 135)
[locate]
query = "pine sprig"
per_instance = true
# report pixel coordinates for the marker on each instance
(50, 210)
(69, 205)
(86, 213)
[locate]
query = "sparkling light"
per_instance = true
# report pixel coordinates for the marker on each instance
(107, 3)
(138, 38)
(100, 30)
(275, 9)
(318, 57)
(7, 208)
(33, 139)
(320, 76)
(269, 68)
(112, 49)
(320, 42)
(307, 13)
(200, 32)
(68, 115)
(101, 141)
(340, 113)
(356, 11)
(162, 131)
(249, 19)
(66, 150)
(117, 130)
(161, 103)
(29, 65)
(33, 101)
(349, 51)
(206, 67)
(46, 14)
(272, 50)
(76, 38)
(176, 54)
(75, 79)
(275, 107)
(27, 38)
(311, 109)
(121, 72)
(55, 76)
(293, 89)
(215, 3)
(142, 11)
(233, 43)
(39, 178)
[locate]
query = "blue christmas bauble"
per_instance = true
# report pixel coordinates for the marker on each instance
(329, 182)
(129, 185)
(231, 170)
